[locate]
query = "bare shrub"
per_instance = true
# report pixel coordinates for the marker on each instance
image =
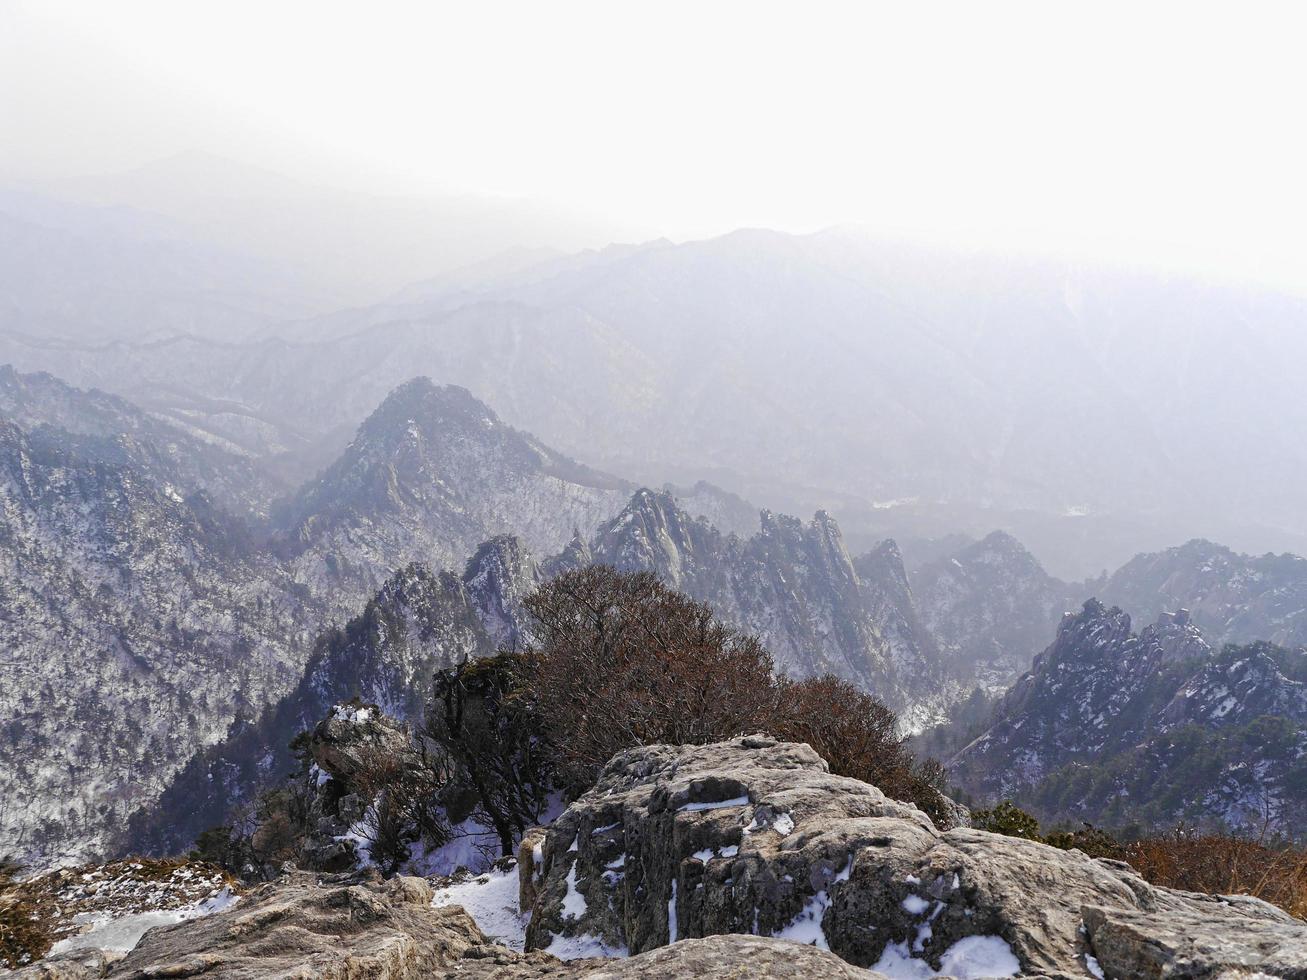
(856, 733)
(621, 660)
(478, 718)
(400, 793)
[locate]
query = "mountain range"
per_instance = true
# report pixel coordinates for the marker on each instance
(910, 392)
(143, 617)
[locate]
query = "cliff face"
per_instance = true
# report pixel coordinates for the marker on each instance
(795, 586)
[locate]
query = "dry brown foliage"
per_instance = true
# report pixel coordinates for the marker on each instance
(25, 932)
(621, 660)
(1223, 865)
(855, 733)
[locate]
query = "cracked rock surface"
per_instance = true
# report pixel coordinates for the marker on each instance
(756, 836)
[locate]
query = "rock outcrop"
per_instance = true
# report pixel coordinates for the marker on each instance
(756, 836)
(353, 929)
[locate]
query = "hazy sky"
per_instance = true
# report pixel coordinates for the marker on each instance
(1171, 133)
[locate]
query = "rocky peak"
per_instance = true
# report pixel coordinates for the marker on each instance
(431, 474)
(1240, 685)
(577, 554)
(498, 577)
(653, 534)
(793, 584)
(991, 607)
(883, 565)
(1151, 726)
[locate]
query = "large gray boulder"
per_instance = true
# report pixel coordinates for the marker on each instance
(301, 927)
(755, 836)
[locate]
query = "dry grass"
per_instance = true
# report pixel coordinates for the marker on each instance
(25, 934)
(41, 910)
(1223, 865)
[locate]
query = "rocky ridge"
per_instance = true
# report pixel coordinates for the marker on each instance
(1110, 724)
(795, 586)
(1232, 598)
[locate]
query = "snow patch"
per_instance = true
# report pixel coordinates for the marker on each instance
(719, 805)
(491, 900)
(971, 958)
(123, 932)
(671, 915)
(915, 905)
(574, 905)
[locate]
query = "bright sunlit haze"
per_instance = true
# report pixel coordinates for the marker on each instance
(1163, 134)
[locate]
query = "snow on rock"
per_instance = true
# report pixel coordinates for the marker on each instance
(122, 933)
(971, 958)
(491, 900)
(871, 879)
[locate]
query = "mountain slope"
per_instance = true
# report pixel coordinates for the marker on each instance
(110, 429)
(1232, 598)
(417, 623)
(431, 474)
(93, 274)
(137, 623)
(793, 585)
(142, 620)
(923, 391)
(1116, 726)
(990, 607)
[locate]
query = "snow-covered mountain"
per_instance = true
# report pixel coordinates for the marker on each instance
(1232, 598)
(1113, 726)
(159, 604)
(105, 428)
(906, 390)
(793, 585)
(142, 618)
(431, 474)
(137, 623)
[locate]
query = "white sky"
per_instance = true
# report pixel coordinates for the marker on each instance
(1165, 133)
